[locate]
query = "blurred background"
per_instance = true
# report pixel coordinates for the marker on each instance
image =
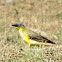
(43, 16)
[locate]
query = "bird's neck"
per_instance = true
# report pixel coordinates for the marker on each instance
(21, 29)
(21, 33)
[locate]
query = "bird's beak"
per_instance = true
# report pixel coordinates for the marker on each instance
(10, 26)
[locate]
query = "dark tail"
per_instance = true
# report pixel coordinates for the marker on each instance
(47, 40)
(41, 39)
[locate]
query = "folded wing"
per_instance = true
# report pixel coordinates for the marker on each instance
(34, 36)
(41, 39)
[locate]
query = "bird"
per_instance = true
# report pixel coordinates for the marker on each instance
(31, 37)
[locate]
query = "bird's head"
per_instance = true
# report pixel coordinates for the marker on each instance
(18, 25)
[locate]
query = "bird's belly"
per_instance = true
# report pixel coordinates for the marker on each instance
(34, 42)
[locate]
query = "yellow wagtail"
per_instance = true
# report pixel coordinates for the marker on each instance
(31, 37)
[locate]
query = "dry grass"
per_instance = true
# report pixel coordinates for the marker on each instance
(44, 16)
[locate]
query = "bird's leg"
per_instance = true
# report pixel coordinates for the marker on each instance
(29, 45)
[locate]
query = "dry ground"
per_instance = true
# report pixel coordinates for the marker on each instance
(43, 15)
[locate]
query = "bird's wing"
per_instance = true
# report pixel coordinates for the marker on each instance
(34, 36)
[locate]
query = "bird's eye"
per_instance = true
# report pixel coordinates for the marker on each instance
(16, 25)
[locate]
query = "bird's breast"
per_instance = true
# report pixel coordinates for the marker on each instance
(25, 36)
(22, 35)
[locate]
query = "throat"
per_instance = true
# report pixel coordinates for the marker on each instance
(21, 34)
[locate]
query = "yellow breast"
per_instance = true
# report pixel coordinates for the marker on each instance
(24, 36)
(27, 38)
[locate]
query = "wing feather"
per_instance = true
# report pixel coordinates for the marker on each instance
(35, 36)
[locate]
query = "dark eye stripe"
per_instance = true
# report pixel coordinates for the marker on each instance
(15, 25)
